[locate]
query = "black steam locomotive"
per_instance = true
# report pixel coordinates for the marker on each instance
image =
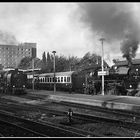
(122, 80)
(13, 82)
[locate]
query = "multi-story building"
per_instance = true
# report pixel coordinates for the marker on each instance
(11, 55)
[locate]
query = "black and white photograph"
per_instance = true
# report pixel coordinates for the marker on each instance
(69, 70)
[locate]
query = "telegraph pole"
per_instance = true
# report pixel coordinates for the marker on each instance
(102, 40)
(54, 71)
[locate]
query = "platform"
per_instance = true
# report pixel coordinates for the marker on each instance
(108, 101)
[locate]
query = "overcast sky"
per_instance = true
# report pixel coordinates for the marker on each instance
(71, 29)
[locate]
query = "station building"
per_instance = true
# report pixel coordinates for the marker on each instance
(11, 55)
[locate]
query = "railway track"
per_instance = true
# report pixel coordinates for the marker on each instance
(88, 118)
(23, 127)
(118, 112)
(14, 108)
(133, 116)
(9, 129)
(130, 115)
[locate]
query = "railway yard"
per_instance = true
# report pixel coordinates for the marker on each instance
(50, 89)
(39, 114)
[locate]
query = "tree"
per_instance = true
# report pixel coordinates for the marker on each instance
(61, 63)
(89, 60)
(48, 57)
(25, 63)
(49, 63)
(72, 61)
(44, 62)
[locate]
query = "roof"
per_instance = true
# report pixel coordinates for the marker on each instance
(124, 63)
(68, 73)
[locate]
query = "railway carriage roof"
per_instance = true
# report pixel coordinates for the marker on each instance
(68, 73)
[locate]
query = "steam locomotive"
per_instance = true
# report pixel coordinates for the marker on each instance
(122, 80)
(13, 82)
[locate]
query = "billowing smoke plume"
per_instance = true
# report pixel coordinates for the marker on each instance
(129, 47)
(7, 38)
(116, 21)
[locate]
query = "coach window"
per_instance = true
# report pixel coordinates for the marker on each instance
(51, 80)
(35, 81)
(48, 79)
(40, 80)
(65, 79)
(68, 79)
(58, 79)
(43, 79)
(61, 79)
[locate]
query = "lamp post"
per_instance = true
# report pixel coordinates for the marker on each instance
(102, 40)
(54, 71)
(33, 73)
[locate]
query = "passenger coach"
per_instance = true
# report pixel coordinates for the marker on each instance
(65, 81)
(45, 81)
